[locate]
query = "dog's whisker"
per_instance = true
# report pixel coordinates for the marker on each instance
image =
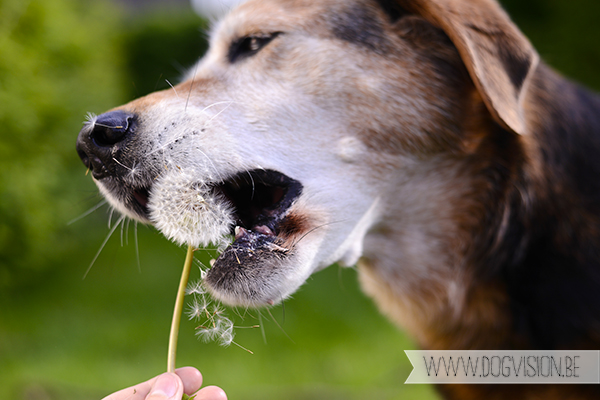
(228, 102)
(191, 88)
(137, 248)
(218, 113)
(128, 220)
(88, 212)
(122, 229)
(157, 81)
(110, 215)
(167, 161)
(110, 233)
(278, 325)
(172, 87)
(236, 311)
(262, 327)
(122, 165)
(295, 242)
(253, 185)
(213, 165)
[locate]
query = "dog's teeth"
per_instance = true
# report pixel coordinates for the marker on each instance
(212, 262)
(265, 230)
(239, 232)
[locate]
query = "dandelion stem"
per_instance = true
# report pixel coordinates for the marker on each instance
(172, 352)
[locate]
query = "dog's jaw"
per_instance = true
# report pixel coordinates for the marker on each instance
(278, 246)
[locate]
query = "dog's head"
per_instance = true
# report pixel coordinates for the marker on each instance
(290, 131)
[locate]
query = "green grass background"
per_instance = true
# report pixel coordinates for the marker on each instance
(64, 337)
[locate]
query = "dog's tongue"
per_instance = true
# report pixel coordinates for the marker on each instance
(262, 229)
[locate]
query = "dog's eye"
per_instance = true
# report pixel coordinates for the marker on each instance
(249, 45)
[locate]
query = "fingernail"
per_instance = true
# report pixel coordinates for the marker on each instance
(165, 387)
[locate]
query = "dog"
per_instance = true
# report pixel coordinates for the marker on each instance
(422, 140)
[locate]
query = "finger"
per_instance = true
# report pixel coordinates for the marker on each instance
(137, 392)
(191, 377)
(131, 393)
(167, 386)
(211, 393)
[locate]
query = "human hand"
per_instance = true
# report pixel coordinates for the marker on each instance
(169, 386)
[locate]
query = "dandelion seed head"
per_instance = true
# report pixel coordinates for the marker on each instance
(187, 211)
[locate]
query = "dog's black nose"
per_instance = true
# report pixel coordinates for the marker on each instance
(98, 140)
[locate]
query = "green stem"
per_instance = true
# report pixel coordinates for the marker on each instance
(172, 352)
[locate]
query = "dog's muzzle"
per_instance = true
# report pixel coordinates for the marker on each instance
(101, 139)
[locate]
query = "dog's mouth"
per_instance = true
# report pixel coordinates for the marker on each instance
(251, 269)
(260, 200)
(140, 201)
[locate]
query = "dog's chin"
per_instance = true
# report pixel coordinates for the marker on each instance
(255, 270)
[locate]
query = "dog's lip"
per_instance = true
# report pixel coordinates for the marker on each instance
(140, 196)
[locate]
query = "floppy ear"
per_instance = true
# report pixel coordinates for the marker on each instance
(497, 55)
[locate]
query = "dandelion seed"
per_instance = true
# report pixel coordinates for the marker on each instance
(226, 338)
(217, 310)
(90, 120)
(214, 325)
(195, 288)
(207, 334)
(194, 310)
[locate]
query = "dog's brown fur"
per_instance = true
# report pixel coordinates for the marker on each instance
(528, 222)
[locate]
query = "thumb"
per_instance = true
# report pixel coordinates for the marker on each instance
(167, 386)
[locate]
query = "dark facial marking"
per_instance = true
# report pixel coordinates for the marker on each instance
(360, 25)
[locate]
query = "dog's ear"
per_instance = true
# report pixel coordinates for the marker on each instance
(498, 56)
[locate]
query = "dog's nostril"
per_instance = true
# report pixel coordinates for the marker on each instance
(84, 157)
(98, 142)
(112, 127)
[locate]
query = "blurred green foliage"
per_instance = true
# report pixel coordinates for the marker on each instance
(161, 47)
(63, 338)
(565, 33)
(52, 65)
